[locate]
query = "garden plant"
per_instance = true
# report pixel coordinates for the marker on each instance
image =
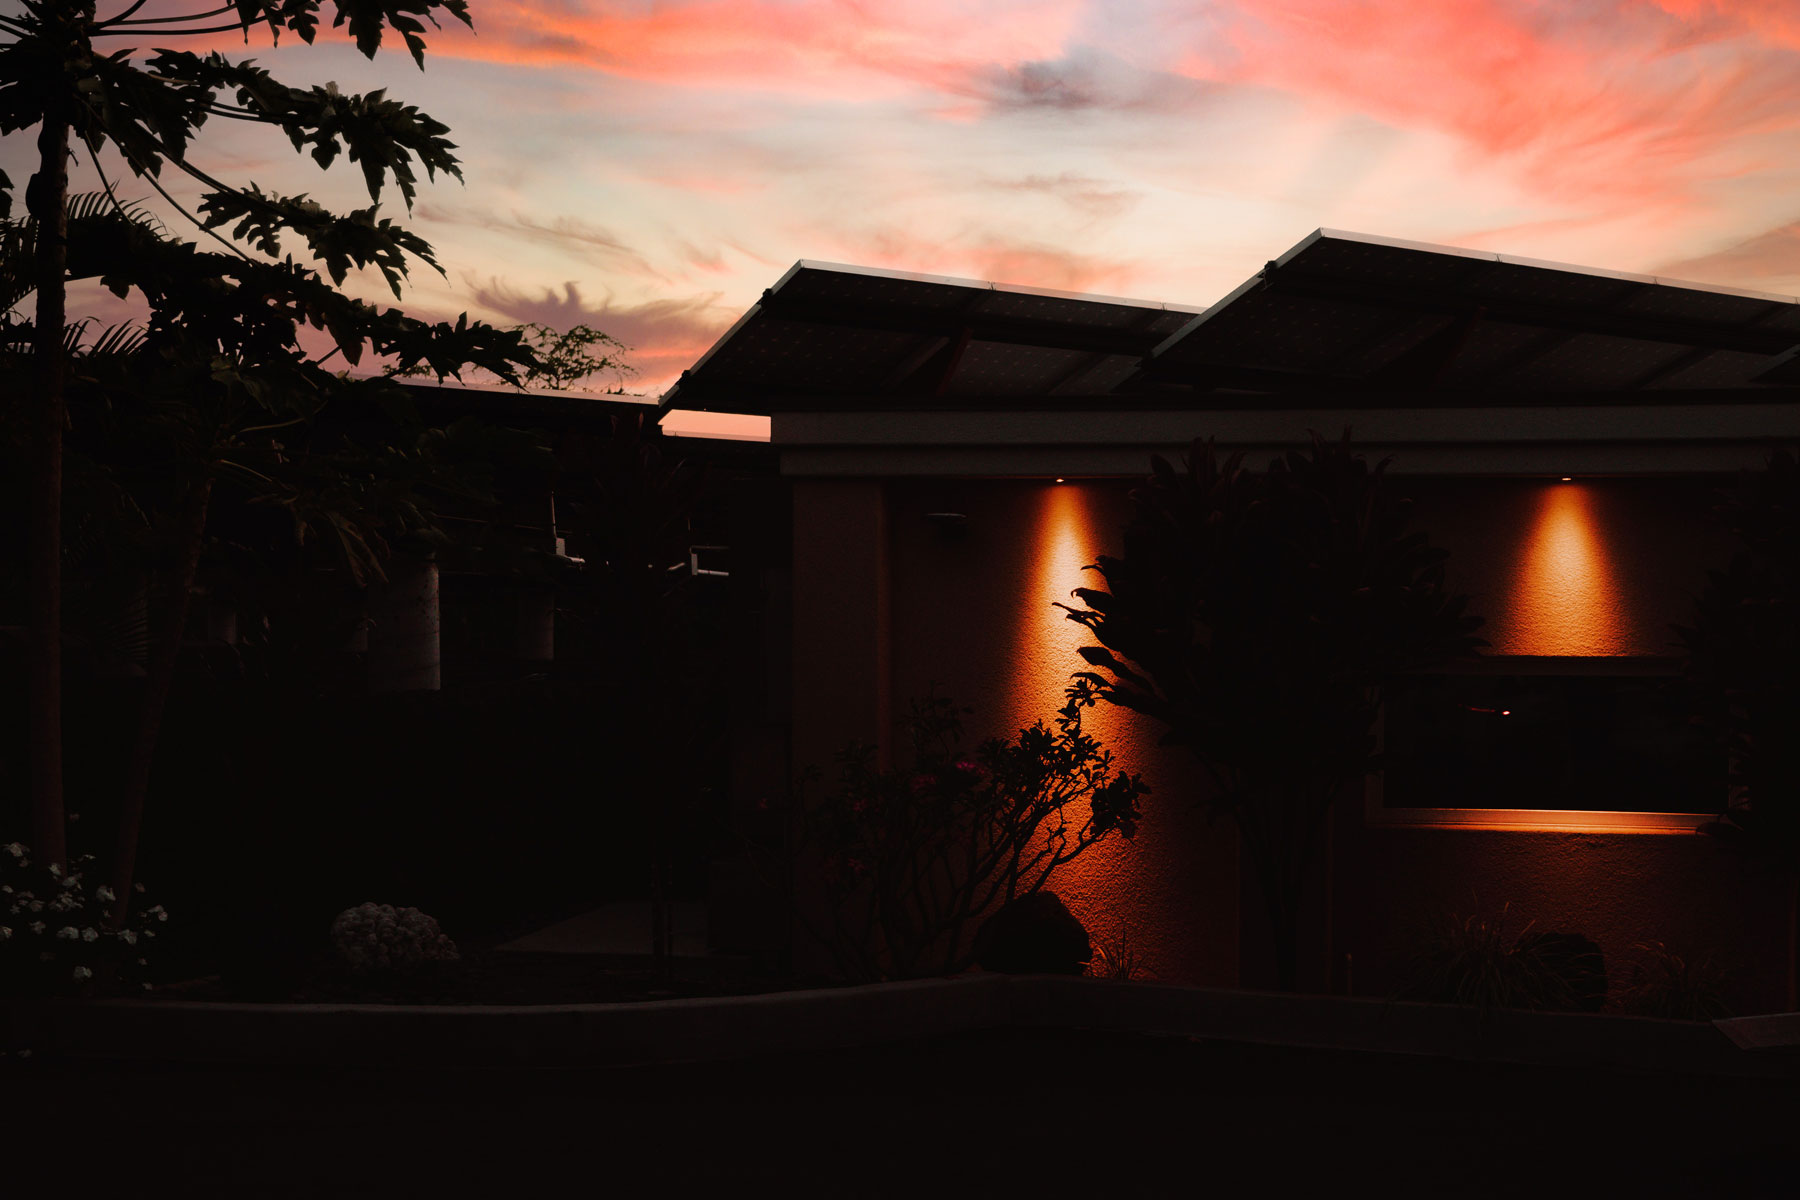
(55, 938)
(1478, 961)
(909, 857)
(1254, 616)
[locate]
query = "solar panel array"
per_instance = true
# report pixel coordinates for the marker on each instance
(831, 331)
(1340, 318)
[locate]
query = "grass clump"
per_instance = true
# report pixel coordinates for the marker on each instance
(1664, 984)
(1475, 961)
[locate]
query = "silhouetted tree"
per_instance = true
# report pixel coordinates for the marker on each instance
(223, 334)
(1254, 616)
(1743, 663)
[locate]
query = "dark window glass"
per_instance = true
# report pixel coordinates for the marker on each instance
(1546, 741)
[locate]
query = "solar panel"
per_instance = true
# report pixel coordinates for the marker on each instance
(829, 330)
(1341, 314)
(1338, 317)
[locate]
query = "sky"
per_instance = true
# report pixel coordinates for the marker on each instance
(648, 168)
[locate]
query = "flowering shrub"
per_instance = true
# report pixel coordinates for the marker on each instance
(380, 937)
(54, 938)
(909, 857)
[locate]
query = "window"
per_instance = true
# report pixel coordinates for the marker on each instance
(1546, 743)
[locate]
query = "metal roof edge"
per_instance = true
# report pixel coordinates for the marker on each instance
(1719, 289)
(1015, 289)
(1520, 260)
(1206, 314)
(1376, 239)
(667, 401)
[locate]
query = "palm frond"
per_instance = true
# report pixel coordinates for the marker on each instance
(73, 332)
(120, 341)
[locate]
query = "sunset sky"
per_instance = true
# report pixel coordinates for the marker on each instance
(649, 168)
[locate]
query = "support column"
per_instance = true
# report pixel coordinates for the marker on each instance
(841, 677)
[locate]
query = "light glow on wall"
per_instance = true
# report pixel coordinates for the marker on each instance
(1105, 887)
(1566, 598)
(1064, 540)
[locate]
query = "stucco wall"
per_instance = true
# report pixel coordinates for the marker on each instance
(1599, 567)
(1586, 568)
(973, 612)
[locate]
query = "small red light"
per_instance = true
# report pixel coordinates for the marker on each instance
(1059, 479)
(1568, 479)
(1506, 712)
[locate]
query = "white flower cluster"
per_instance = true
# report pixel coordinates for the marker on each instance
(382, 937)
(66, 925)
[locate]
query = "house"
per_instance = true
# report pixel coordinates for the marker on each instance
(956, 452)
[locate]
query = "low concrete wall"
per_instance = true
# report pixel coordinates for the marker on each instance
(587, 1035)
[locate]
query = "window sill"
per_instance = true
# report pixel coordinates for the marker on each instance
(1529, 820)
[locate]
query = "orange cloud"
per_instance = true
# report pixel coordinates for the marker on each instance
(983, 255)
(826, 49)
(1767, 259)
(768, 45)
(1595, 103)
(1776, 20)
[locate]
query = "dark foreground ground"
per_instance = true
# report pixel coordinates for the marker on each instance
(1015, 1112)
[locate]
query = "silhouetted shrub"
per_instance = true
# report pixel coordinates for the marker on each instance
(1034, 935)
(1666, 985)
(54, 935)
(1743, 645)
(901, 861)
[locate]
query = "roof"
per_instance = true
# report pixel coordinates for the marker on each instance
(1341, 319)
(826, 329)
(718, 438)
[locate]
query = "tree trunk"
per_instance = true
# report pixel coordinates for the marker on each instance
(161, 680)
(1793, 972)
(534, 634)
(404, 651)
(1284, 921)
(47, 198)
